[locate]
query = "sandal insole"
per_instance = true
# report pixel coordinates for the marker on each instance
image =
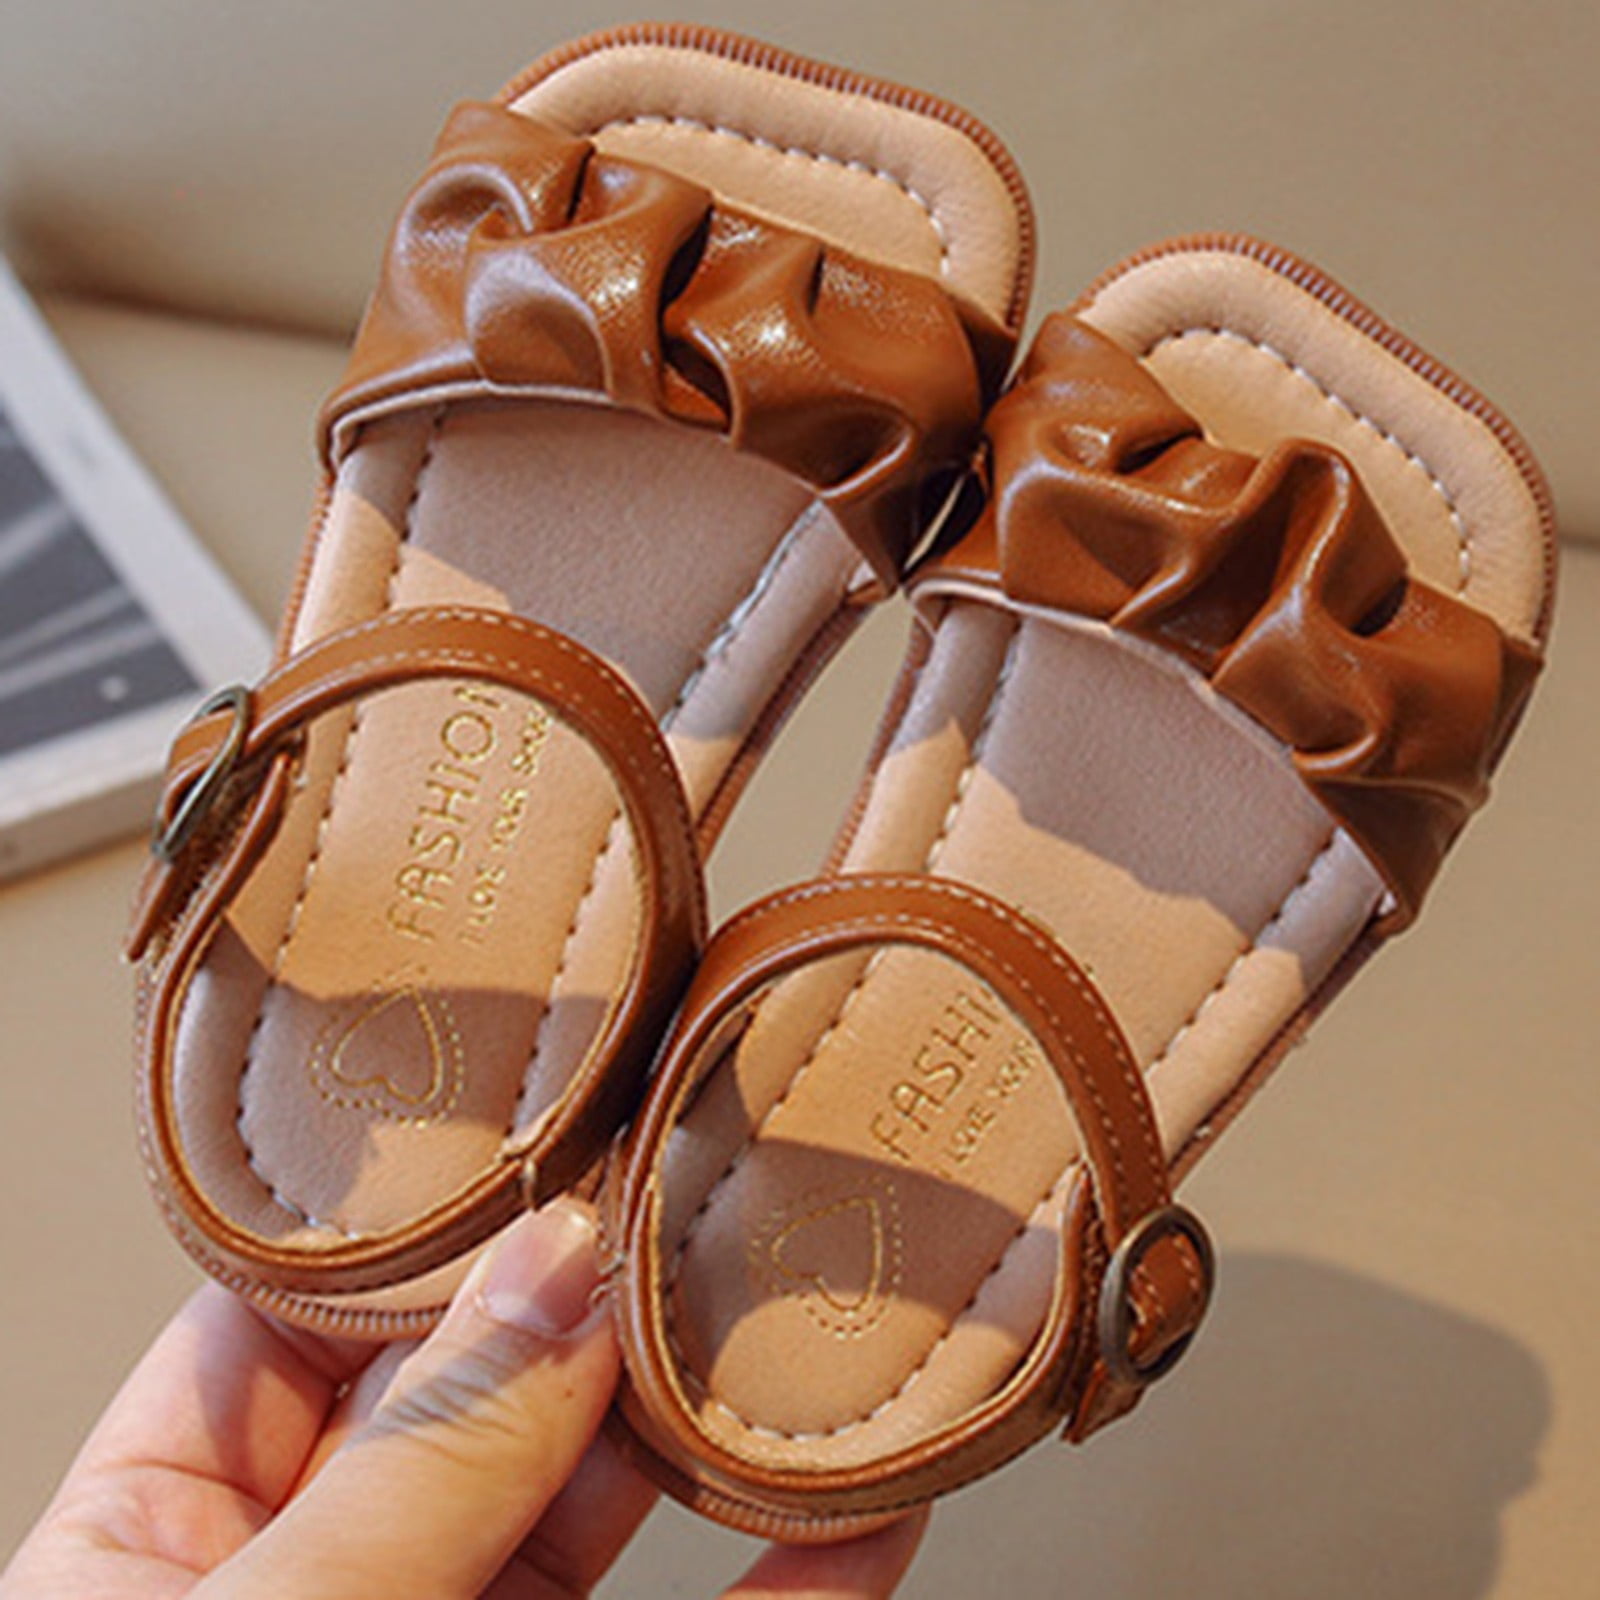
(861, 1204)
(449, 906)
(866, 1193)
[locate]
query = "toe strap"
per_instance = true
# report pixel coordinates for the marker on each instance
(1275, 577)
(527, 261)
(1136, 1272)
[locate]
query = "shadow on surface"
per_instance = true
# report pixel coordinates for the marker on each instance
(1330, 1436)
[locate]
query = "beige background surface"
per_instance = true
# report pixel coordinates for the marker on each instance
(1397, 1394)
(1439, 156)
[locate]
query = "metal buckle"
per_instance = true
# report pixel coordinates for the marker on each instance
(169, 838)
(1115, 1319)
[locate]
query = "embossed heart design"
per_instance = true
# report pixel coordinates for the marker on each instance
(837, 1252)
(401, 1057)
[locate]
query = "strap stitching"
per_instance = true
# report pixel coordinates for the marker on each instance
(870, 923)
(1043, 946)
(716, 647)
(1142, 1278)
(468, 656)
(819, 156)
(868, 968)
(1067, 1175)
(292, 922)
(1464, 558)
(719, 643)
(450, 655)
(472, 653)
(1225, 982)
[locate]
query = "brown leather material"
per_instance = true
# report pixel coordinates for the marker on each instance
(1055, 1000)
(179, 905)
(1118, 774)
(525, 261)
(1273, 576)
(1061, 1362)
(589, 345)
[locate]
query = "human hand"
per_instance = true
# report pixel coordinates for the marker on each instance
(246, 1458)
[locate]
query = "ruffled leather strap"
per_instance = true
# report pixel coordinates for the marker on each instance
(526, 261)
(1275, 577)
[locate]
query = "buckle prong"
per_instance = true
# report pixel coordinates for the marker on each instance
(1115, 1319)
(169, 838)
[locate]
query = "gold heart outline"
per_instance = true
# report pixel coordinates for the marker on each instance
(843, 1317)
(383, 1093)
(777, 1247)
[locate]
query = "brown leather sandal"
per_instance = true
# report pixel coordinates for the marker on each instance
(1202, 699)
(678, 349)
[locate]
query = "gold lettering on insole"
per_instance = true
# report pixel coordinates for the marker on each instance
(938, 1112)
(470, 803)
(941, 1092)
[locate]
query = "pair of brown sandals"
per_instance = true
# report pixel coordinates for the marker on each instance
(682, 350)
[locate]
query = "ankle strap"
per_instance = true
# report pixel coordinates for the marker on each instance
(227, 785)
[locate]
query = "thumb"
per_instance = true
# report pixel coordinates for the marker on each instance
(474, 1437)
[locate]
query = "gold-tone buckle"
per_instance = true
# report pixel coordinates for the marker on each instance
(169, 838)
(1115, 1318)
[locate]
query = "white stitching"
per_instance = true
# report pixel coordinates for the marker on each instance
(1067, 1175)
(548, 1009)
(865, 168)
(719, 644)
(575, 699)
(980, 743)
(467, 658)
(1322, 854)
(292, 922)
(1063, 1036)
(1463, 535)
(868, 968)
(724, 637)
(1020, 925)
(1057, 1186)
(670, 1282)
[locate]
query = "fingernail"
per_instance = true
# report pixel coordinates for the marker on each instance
(543, 1274)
